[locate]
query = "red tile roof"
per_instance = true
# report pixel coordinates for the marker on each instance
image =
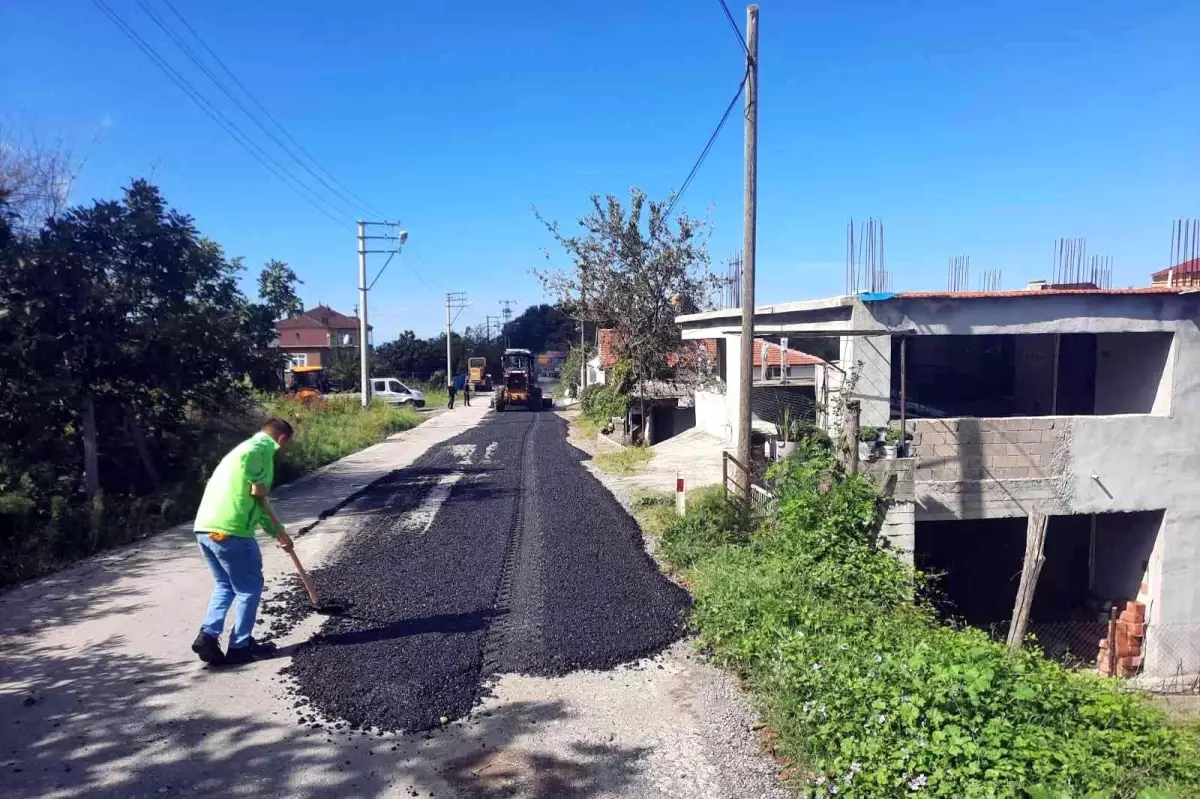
(608, 355)
(321, 316)
(1185, 268)
(989, 295)
(775, 354)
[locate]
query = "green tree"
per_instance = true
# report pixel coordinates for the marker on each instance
(541, 328)
(119, 323)
(277, 289)
(634, 271)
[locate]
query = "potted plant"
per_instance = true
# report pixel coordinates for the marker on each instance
(896, 443)
(868, 442)
(785, 435)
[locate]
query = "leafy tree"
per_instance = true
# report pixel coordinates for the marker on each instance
(633, 271)
(119, 324)
(541, 328)
(277, 289)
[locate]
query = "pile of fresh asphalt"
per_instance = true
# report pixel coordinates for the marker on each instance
(529, 566)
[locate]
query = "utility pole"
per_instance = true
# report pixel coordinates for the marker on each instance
(455, 300)
(364, 357)
(506, 307)
(749, 235)
(364, 344)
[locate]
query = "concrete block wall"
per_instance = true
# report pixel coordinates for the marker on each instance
(899, 529)
(990, 449)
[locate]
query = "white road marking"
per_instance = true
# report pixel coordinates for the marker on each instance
(464, 452)
(420, 519)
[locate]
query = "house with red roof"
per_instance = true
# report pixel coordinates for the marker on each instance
(308, 338)
(1186, 274)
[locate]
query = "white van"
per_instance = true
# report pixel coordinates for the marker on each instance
(395, 392)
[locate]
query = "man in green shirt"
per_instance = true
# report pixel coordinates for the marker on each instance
(234, 507)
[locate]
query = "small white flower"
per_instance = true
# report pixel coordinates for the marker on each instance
(879, 658)
(882, 718)
(820, 780)
(816, 667)
(917, 782)
(832, 789)
(855, 767)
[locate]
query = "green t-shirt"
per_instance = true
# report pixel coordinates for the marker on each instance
(227, 506)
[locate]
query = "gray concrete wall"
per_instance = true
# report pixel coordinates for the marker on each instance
(1139, 462)
(1130, 370)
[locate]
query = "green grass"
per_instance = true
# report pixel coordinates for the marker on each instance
(333, 429)
(587, 426)
(626, 462)
(654, 511)
(438, 397)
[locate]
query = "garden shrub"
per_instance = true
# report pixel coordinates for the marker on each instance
(712, 521)
(871, 695)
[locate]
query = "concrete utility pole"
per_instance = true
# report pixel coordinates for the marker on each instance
(749, 231)
(455, 300)
(364, 343)
(364, 357)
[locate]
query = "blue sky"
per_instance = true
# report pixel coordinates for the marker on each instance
(981, 128)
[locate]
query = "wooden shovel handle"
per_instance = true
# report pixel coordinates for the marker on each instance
(308, 586)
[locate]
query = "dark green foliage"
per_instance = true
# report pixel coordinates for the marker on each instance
(277, 288)
(124, 308)
(541, 328)
(867, 691)
(712, 521)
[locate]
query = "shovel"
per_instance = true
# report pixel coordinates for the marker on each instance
(330, 609)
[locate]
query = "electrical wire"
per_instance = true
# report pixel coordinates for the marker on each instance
(350, 196)
(707, 147)
(182, 45)
(737, 31)
(215, 114)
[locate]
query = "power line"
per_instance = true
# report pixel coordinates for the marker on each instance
(215, 114)
(732, 24)
(195, 59)
(707, 147)
(357, 201)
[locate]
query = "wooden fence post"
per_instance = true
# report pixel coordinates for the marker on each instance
(1035, 537)
(853, 411)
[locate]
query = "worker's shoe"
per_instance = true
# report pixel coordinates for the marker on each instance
(255, 650)
(208, 649)
(261, 648)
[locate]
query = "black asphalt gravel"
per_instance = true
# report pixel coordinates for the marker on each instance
(530, 566)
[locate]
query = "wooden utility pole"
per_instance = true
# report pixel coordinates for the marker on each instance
(749, 230)
(1035, 537)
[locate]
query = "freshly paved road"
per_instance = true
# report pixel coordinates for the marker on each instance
(496, 552)
(481, 563)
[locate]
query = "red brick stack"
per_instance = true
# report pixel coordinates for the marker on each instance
(1130, 630)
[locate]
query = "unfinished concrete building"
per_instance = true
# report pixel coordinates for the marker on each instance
(1081, 405)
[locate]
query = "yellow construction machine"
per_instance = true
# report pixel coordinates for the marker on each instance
(520, 386)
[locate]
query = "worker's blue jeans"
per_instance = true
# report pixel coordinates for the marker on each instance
(236, 566)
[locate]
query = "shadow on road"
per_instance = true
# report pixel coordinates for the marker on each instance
(103, 723)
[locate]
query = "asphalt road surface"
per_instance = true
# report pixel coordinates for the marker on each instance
(496, 552)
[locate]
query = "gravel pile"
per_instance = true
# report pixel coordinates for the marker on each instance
(530, 565)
